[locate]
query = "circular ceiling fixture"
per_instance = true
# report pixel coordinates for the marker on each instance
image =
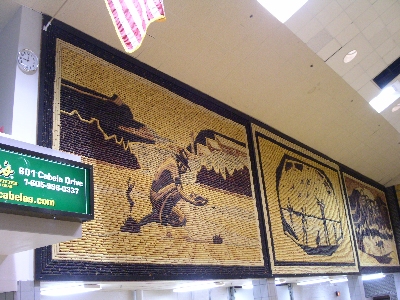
(350, 56)
(396, 108)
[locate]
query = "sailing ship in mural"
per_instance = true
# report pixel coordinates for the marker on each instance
(308, 206)
(371, 221)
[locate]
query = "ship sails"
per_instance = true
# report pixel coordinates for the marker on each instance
(308, 206)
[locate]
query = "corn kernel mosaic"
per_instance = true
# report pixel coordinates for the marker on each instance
(371, 222)
(397, 192)
(307, 224)
(174, 193)
(172, 179)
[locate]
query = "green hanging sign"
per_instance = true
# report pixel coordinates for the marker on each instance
(46, 186)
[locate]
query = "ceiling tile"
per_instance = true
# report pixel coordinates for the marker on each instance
(379, 38)
(366, 18)
(329, 50)
(357, 8)
(392, 13)
(320, 40)
(310, 30)
(376, 68)
(392, 55)
(300, 19)
(369, 91)
(362, 46)
(316, 6)
(373, 28)
(353, 74)
(396, 37)
(368, 61)
(394, 26)
(337, 64)
(344, 3)
(381, 6)
(329, 13)
(347, 34)
(386, 47)
(360, 81)
(338, 24)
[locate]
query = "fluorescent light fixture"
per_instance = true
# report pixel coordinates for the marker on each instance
(197, 286)
(372, 276)
(247, 286)
(385, 98)
(279, 281)
(350, 56)
(69, 289)
(314, 281)
(282, 9)
(337, 280)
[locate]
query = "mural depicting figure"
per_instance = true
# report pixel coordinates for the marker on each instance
(171, 185)
(166, 191)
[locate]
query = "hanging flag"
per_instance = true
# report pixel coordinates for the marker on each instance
(132, 17)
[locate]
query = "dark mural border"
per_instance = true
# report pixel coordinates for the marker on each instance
(394, 216)
(337, 171)
(47, 268)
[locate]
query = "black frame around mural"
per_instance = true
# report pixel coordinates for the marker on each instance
(394, 215)
(302, 263)
(47, 268)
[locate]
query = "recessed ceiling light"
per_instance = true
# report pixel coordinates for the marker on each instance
(196, 286)
(314, 281)
(338, 280)
(350, 56)
(69, 289)
(282, 9)
(396, 108)
(247, 286)
(372, 276)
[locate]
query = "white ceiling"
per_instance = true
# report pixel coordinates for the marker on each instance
(238, 53)
(290, 76)
(333, 28)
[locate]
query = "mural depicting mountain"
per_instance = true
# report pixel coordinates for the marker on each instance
(207, 141)
(225, 166)
(238, 182)
(114, 116)
(86, 138)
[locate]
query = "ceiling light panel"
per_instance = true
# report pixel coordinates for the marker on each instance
(283, 9)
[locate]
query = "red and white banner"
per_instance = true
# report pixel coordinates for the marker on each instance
(132, 17)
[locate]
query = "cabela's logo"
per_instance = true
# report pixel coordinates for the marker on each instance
(6, 171)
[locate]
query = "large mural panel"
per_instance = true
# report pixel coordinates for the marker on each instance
(306, 217)
(371, 222)
(172, 179)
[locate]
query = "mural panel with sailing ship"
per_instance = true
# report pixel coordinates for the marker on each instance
(306, 218)
(173, 183)
(371, 222)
